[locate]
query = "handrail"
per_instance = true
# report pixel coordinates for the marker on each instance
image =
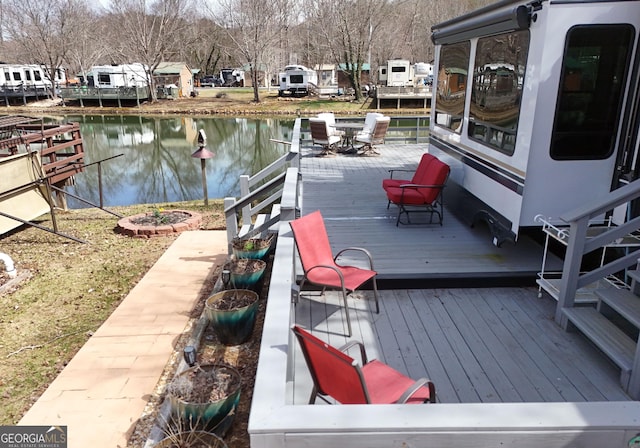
(573, 278)
(578, 245)
(273, 189)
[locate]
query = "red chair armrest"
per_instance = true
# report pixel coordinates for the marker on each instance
(415, 387)
(358, 249)
(363, 354)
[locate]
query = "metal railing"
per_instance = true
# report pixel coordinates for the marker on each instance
(402, 129)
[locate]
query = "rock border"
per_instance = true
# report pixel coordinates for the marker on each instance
(126, 227)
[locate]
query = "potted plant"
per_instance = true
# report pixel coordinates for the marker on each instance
(245, 272)
(254, 248)
(205, 397)
(232, 314)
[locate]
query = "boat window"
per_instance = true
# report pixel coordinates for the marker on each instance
(596, 61)
(498, 77)
(452, 82)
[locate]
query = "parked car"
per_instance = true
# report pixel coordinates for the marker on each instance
(210, 81)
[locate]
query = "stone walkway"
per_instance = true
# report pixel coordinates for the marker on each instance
(103, 390)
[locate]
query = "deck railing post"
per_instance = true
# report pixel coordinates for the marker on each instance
(571, 268)
(232, 221)
(244, 191)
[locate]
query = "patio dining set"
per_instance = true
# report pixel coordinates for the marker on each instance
(342, 137)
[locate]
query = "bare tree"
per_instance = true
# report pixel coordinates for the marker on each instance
(347, 28)
(44, 35)
(255, 27)
(206, 49)
(148, 31)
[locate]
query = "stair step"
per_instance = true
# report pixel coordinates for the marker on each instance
(260, 220)
(624, 302)
(604, 334)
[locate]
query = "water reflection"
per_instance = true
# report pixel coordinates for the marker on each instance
(157, 166)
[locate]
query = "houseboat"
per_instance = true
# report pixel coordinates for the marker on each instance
(535, 108)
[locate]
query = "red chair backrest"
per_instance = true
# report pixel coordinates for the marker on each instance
(334, 373)
(422, 169)
(437, 173)
(312, 241)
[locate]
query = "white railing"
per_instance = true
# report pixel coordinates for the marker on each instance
(245, 209)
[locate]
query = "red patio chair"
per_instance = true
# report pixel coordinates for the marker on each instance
(423, 194)
(320, 266)
(337, 375)
(418, 173)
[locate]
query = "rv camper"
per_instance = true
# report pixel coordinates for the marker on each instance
(111, 76)
(396, 73)
(535, 108)
(297, 80)
(18, 77)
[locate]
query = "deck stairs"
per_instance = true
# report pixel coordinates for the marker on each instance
(612, 325)
(611, 319)
(264, 225)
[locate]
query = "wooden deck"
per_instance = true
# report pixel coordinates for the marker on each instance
(479, 345)
(505, 373)
(348, 191)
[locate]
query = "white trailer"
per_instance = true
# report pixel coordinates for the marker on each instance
(396, 73)
(17, 77)
(535, 108)
(297, 80)
(113, 76)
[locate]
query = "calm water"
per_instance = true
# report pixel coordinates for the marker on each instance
(156, 164)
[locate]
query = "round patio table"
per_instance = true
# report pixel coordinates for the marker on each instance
(350, 128)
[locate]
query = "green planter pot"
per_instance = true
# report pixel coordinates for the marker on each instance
(181, 439)
(211, 416)
(242, 250)
(232, 326)
(245, 273)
